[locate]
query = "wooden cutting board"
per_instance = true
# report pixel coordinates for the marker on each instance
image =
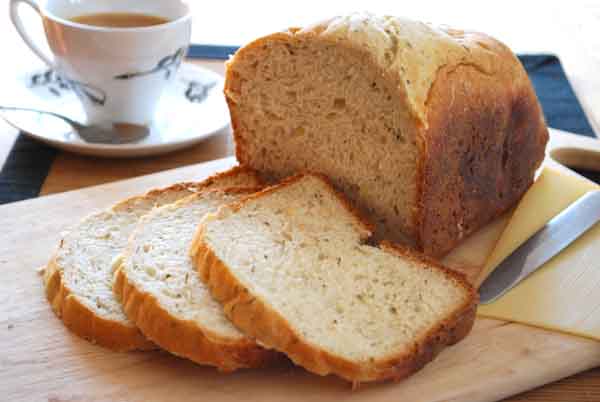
(41, 361)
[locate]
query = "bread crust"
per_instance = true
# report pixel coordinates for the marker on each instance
(498, 141)
(84, 322)
(234, 171)
(256, 318)
(191, 186)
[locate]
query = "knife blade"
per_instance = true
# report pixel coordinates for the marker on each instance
(553, 237)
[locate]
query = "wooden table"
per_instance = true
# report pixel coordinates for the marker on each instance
(570, 33)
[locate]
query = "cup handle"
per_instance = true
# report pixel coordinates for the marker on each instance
(16, 20)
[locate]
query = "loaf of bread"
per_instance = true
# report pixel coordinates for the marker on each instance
(432, 131)
(162, 295)
(291, 269)
(79, 278)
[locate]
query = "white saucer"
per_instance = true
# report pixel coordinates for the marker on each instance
(190, 110)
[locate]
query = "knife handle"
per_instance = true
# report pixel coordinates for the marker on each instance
(574, 151)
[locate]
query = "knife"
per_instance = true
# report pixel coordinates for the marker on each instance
(553, 237)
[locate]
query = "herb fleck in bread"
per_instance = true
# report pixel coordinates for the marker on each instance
(433, 132)
(163, 296)
(79, 278)
(291, 268)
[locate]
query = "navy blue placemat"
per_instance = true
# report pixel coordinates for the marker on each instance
(29, 161)
(561, 107)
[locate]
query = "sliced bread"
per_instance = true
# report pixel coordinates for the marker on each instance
(79, 278)
(291, 269)
(163, 296)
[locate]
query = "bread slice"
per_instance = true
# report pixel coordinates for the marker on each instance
(162, 294)
(432, 131)
(79, 278)
(291, 268)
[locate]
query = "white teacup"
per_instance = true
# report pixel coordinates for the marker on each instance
(118, 73)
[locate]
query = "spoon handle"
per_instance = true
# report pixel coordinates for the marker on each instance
(73, 123)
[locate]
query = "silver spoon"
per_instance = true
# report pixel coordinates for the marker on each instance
(122, 133)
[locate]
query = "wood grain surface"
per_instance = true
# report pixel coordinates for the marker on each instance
(42, 361)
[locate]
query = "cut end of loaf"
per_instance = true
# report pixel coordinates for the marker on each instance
(294, 274)
(300, 102)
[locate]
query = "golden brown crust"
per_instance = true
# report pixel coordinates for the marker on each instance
(241, 154)
(498, 141)
(258, 320)
(186, 338)
(192, 186)
(234, 171)
(86, 323)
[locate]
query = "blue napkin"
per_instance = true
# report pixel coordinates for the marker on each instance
(29, 161)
